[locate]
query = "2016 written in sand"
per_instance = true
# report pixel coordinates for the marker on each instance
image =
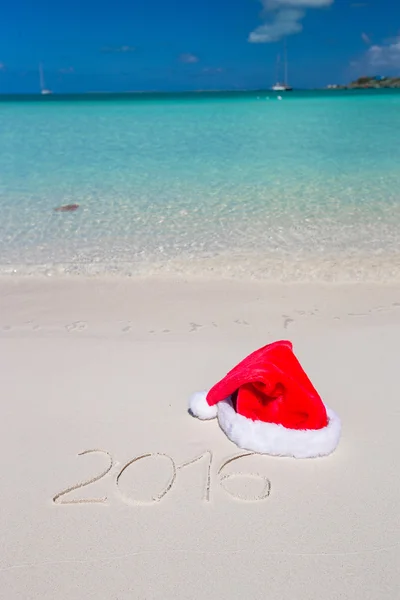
(174, 469)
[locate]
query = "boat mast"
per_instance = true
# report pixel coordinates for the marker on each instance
(285, 58)
(278, 67)
(41, 77)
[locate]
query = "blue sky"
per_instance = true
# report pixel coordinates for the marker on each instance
(187, 45)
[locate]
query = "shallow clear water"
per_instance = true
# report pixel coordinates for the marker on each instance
(303, 188)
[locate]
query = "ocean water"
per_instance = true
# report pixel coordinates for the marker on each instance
(208, 185)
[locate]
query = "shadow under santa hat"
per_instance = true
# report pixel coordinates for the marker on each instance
(267, 404)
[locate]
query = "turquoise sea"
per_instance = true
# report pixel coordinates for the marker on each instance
(306, 187)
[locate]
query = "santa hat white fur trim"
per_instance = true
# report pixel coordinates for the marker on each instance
(200, 408)
(269, 438)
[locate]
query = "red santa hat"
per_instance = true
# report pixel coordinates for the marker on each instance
(267, 404)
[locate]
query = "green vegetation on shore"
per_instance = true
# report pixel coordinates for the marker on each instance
(363, 83)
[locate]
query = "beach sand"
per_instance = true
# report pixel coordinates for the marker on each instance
(105, 368)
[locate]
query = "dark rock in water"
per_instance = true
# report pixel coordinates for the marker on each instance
(67, 208)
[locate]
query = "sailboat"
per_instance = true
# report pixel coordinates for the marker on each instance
(43, 89)
(282, 87)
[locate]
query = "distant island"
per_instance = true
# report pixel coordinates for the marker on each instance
(365, 83)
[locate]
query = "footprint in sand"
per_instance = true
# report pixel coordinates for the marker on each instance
(195, 327)
(76, 326)
(241, 322)
(31, 325)
(305, 313)
(287, 321)
(153, 331)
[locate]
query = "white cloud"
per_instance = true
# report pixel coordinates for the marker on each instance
(285, 22)
(365, 38)
(189, 58)
(386, 55)
(283, 18)
(379, 59)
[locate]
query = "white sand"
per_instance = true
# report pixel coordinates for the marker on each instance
(109, 365)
